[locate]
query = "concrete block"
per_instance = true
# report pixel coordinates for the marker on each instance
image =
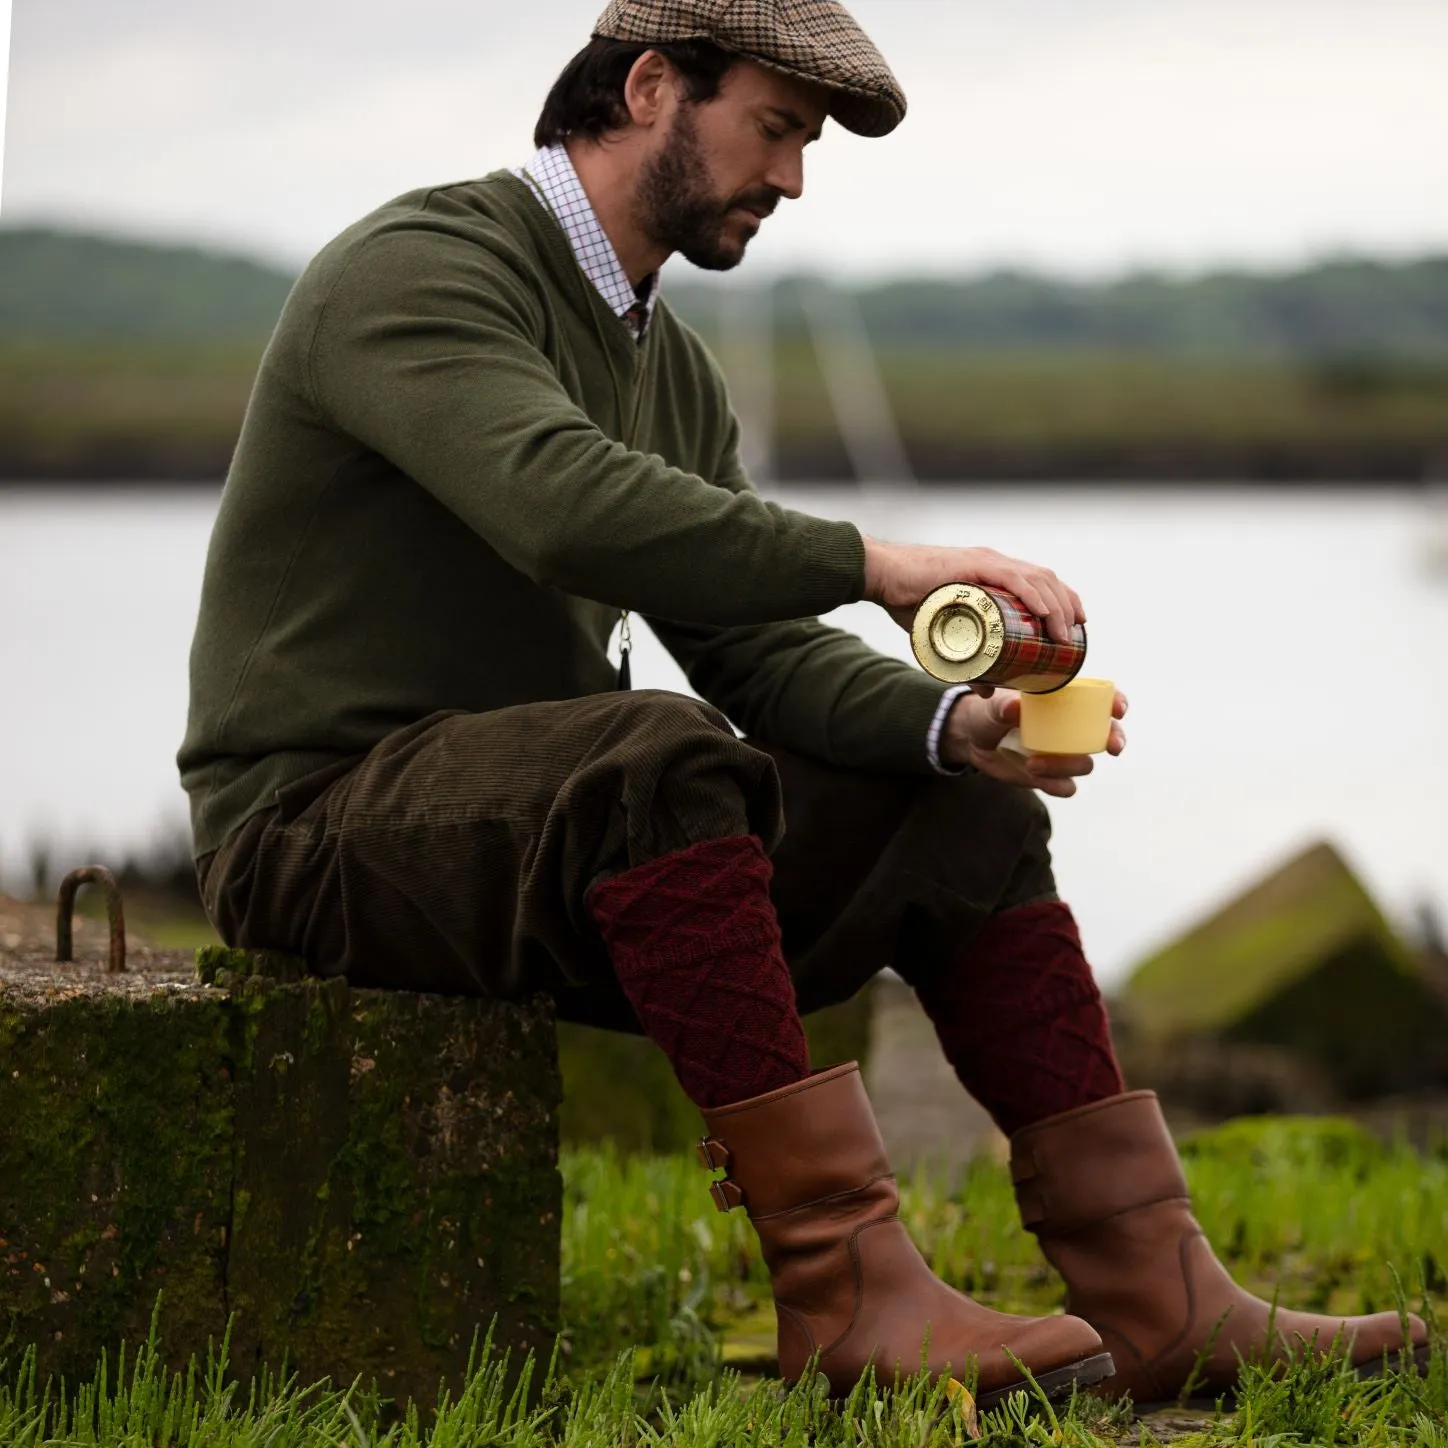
(360, 1180)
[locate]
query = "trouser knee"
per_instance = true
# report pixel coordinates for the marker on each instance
(1033, 878)
(687, 777)
(971, 849)
(1014, 828)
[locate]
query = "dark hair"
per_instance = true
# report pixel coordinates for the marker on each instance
(587, 99)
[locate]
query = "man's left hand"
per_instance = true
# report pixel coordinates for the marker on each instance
(977, 725)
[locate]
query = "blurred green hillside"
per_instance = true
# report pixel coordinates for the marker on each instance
(128, 360)
(1332, 312)
(60, 287)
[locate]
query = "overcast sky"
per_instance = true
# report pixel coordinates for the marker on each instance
(4, 83)
(1078, 135)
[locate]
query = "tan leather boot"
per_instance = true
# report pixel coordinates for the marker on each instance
(808, 1163)
(1103, 1190)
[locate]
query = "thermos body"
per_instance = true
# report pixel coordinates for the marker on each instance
(966, 634)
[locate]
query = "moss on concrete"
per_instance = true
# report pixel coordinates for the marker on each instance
(223, 963)
(398, 1159)
(1295, 996)
(1370, 1028)
(1303, 961)
(1270, 936)
(115, 1167)
(363, 1179)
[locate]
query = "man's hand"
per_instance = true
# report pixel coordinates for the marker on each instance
(898, 576)
(977, 725)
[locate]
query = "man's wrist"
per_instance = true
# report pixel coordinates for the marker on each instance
(939, 743)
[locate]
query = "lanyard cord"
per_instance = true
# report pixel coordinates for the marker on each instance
(625, 648)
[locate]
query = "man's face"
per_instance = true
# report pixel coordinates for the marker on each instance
(722, 166)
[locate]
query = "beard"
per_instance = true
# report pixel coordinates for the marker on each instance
(675, 207)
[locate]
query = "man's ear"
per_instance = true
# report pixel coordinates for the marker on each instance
(648, 88)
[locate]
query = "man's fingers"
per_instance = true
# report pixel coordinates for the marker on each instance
(1068, 603)
(1117, 742)
(1052, 607)
(1050, 599)
(899, 576)
(1119, 706)
(1060, 766)
(1057, 607)
(1060, 608)
(1029, 594)
(1057, 788)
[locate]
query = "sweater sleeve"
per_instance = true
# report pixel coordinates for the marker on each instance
(427, 352)
(816, 690)
(807, 687)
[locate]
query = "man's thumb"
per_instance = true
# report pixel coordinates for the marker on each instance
(1004, 712)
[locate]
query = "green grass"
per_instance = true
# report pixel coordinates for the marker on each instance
(1317, 1206)
(662, 1294)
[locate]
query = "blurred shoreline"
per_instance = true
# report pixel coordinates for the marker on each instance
(168, 411)
(124, 361)
(1401, 469)
(113, 446)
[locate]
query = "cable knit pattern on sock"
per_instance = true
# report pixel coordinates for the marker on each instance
(1021, 1020)
(695, 944)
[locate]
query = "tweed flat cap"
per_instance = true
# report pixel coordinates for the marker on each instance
(814, 40)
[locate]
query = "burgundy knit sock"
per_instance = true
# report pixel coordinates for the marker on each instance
(1021, 1020)
(695, 944)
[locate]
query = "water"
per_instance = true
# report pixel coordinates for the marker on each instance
(1284, 653)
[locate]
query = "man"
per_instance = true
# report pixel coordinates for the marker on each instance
(477, 439)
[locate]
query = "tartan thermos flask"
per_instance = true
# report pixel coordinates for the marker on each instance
(966, 634)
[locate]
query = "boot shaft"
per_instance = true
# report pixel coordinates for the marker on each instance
(1095, 1162)
(809, 1165)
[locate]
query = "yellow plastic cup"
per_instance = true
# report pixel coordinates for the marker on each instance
(1072, 720)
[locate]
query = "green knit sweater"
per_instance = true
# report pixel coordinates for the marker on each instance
(456, 467)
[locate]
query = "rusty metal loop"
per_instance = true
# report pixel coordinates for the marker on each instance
(115, 913)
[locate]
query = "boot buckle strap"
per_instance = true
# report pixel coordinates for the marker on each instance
(1029, 1189)
(715, 1157)
(713, 1154)
(727, 1194)
(1031, 1201)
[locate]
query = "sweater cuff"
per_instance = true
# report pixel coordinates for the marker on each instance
(832, 571)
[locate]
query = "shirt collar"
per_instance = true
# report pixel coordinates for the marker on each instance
(555, 182)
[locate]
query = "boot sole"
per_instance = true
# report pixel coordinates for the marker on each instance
(1055, 1384)
(1416, 1362)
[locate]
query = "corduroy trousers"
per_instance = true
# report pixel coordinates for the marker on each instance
(457, 855)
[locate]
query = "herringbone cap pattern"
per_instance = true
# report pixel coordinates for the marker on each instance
(814, 40)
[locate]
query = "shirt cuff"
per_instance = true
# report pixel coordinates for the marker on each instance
(937, 728)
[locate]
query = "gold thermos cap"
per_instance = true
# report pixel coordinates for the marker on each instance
(958, 633)
(964, 633)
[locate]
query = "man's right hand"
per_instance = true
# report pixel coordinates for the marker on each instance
(898, 576)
